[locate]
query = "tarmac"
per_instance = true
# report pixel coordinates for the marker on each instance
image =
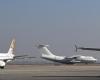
(50, 72)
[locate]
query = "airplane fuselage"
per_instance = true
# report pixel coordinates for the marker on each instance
(5, 56)
(70, 60)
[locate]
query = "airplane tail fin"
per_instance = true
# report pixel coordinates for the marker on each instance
(44, 50)
(76, 48)
(12, 47)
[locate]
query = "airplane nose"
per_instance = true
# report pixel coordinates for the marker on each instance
(95, 60)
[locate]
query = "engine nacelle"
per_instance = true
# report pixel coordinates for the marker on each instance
(9, 60)
(2, 64)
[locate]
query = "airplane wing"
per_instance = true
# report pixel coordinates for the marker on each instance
(23, 57)
(84, 48)
(72, 60)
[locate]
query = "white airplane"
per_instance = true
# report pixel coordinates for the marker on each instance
(46, 54)
(9, 56)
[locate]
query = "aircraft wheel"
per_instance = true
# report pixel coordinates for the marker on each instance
(2, 67)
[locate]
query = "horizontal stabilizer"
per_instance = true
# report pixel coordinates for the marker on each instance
(41, 46)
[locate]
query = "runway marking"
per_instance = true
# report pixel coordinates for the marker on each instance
(52, 70)
(67, 76)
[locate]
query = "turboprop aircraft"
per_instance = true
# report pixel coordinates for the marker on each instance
(46, 54)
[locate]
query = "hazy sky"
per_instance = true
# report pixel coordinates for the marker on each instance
(59, 23)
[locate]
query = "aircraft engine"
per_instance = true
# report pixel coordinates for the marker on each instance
(9, 60)
(2, 64)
